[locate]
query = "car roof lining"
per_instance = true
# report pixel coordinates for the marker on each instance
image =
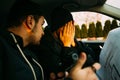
(72, 5)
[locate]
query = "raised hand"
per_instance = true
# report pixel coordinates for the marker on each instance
(77, 73)
(67, 34)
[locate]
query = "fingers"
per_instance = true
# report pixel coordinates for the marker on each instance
(76, 70)
(61, 74)
(65, 29)
(93, 68)
(67, 34)
(69, 28)
(97, 66)
(52, 76)
(81, 60)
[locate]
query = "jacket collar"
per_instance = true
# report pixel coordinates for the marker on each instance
(8, 37)
(5, 34)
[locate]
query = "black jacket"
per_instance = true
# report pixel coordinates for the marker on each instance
(54, 57)
(12, 64)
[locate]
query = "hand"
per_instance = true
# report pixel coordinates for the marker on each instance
(54, 76)
(67, 34)
(77, 73)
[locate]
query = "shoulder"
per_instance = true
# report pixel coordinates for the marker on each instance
(113, 34)
(115, 31)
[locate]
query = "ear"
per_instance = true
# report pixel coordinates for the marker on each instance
(30, 22)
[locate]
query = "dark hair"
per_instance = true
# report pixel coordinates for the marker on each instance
(59, 17)
(21, 9)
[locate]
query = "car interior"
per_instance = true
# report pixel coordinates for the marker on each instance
(102, 7)
(109, 8)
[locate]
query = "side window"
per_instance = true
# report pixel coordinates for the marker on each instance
(92, 26)
(92, 29)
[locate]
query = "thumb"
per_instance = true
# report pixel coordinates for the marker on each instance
(81, 60)
(79, 64)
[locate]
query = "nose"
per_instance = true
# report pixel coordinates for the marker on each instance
(43, 32)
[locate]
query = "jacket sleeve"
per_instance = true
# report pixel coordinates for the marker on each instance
(48, 58)
(81, 47)
(70, 55)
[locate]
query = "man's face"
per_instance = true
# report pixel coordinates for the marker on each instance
(37, 31)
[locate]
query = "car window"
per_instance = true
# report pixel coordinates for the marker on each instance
(93, 26)
(92, 29)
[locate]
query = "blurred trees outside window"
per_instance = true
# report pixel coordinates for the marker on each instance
(93, 25)
(99, 31)
(84, 31)
(106, 28)
(91, 30)
(77, 31)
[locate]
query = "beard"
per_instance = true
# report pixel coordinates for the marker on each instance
(33, 40)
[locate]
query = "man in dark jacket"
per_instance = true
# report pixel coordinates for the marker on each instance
(60, 51)
(24, 27)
